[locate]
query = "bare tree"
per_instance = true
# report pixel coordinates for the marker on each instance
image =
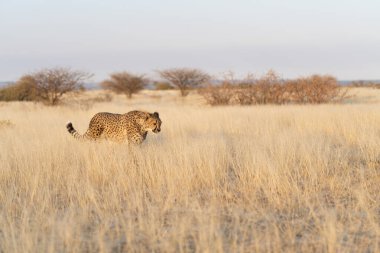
(184, 78)
(51, 84)
(125, 83)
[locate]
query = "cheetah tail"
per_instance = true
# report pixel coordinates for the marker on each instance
(73, 132)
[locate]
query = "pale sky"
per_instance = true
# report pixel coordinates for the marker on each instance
(293, 37)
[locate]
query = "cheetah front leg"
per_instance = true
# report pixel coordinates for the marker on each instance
(136, 139)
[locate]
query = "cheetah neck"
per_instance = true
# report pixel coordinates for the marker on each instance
(142, 131)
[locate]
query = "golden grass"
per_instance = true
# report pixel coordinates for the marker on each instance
(216, 179)
(5, 123)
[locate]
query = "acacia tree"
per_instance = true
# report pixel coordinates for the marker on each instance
(184, 78)
(125, 83)
(51, 84)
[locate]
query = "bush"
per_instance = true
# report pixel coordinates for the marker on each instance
(22, 90)
(315, 89)
(163, 86)
(268, 89)
(218, 95)
(271, 89)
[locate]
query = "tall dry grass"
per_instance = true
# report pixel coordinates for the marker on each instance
(216, 179)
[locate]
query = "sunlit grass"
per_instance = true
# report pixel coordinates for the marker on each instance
(216, 179)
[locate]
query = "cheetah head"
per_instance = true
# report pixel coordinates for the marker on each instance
(153, 122)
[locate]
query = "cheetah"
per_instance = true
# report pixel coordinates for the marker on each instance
(131, 127)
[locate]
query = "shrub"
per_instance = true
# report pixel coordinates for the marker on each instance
(268, 89)
(125, 83)
(315, 89)
(230, 91)
(163, 86)
(23, 90)
(271, 89)
(218, 95)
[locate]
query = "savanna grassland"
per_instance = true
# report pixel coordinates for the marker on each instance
(293, 178)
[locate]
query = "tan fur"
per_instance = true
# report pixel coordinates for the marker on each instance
(131, 127)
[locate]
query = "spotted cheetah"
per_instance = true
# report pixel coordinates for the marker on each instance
(131, 127)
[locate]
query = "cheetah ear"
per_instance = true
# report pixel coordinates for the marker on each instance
(155, 114)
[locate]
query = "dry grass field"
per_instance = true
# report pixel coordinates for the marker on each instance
(294, 178)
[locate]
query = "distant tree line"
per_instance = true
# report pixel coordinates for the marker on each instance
(366, 84)
(50, 85)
